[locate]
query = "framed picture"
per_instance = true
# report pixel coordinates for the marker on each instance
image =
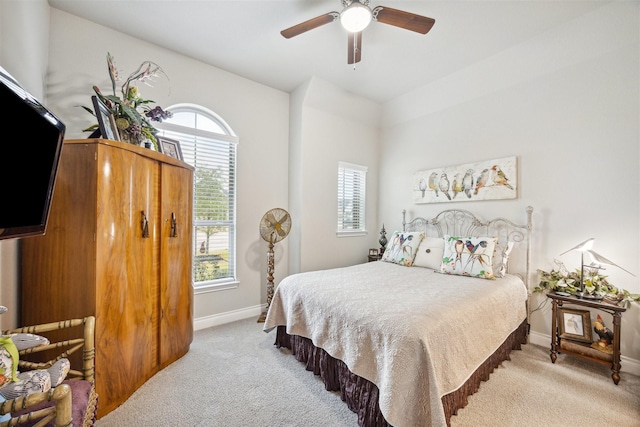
(373, 252)
(487, 180)
(575, 324)
(106, 121)
(170, 147)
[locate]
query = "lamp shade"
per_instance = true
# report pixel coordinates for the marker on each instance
(596, 257)
(355, 17)
(584, 246)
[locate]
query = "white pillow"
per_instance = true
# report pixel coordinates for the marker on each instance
(430, 253)
(500, 262)
(402, 247)
(469, 256)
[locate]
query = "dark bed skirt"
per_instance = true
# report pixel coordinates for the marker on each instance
(361, 395)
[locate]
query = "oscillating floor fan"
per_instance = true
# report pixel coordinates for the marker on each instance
(274, 226)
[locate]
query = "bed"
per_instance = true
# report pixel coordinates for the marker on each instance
(405, 340)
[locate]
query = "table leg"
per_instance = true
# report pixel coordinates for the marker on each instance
(615, 364)
(554, 331)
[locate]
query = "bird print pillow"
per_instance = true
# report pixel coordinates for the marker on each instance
(402, 247)
(468, 256)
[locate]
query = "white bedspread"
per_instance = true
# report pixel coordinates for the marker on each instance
(417, 334)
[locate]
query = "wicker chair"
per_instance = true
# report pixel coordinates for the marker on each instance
(72, 403)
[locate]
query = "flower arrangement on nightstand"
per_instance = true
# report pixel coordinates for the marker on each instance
(562, 280)
(587, 282)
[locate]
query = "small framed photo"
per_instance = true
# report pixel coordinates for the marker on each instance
(575, 324)
(106, 121)
(170, 147)
(373, 252)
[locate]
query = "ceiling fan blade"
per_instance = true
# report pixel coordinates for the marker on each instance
(310, 24)
(354, 47)
(398, 18)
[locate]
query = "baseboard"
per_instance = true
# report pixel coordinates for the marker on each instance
(228, 317)
(627, 364)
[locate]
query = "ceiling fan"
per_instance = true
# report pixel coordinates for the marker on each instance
(356, 16)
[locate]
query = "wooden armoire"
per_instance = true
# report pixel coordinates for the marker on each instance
(118, 246)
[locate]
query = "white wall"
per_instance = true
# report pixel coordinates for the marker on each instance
(24, 30)
(332, 126)
(566, 104)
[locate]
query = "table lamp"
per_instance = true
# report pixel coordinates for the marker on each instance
(599, 259)
(596, 261)
(582, 248)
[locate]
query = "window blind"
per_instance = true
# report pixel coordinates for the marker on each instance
(213, 157)
(352, 185)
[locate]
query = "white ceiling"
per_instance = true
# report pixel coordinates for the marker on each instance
(243, 37)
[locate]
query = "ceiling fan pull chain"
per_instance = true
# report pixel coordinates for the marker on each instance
(355, 49)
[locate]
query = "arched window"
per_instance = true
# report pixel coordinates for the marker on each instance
(209, 145)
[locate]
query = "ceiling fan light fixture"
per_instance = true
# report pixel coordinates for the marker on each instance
(355, 17)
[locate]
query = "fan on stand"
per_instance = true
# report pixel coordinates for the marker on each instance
(274, 226)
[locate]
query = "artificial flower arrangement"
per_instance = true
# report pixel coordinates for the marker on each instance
(132, 113)
(594, 284)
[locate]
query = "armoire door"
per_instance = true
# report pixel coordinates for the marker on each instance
(176, 290)
(128, 272)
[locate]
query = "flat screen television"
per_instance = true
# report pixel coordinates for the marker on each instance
(29, 160)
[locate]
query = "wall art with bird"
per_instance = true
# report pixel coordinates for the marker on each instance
(493, 179)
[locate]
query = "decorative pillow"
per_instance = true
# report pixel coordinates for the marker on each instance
(430, 253)
(14, 384)
(8, 361)
(468, 256)
(500, 262)
(402, 247)
(58, 372)
(25, 341)
(37, 381)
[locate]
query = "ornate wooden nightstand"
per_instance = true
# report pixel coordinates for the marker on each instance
(577, 346)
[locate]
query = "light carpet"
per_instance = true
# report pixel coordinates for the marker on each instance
(233, 375)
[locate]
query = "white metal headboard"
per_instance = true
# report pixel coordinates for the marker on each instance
(458, 222)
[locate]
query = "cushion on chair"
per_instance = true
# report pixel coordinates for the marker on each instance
(85, 402)
(84, 409)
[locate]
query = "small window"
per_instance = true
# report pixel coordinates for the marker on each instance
(352, 186)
